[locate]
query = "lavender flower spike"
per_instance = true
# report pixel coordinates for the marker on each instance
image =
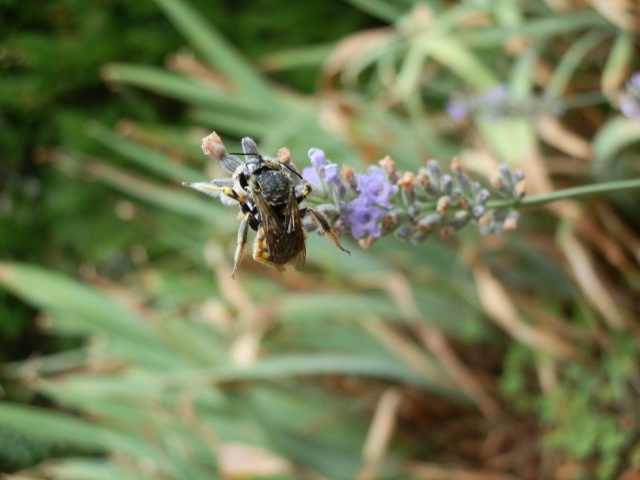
(375, 188)
(364, 219)
(410, 206)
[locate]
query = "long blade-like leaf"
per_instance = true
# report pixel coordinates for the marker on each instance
(217, 50)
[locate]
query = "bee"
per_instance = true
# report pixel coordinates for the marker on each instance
(269, 192)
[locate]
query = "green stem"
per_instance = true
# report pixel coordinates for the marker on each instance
(568, 193)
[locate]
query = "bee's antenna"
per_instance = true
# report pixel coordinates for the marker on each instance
(246, 154)
(292, 170)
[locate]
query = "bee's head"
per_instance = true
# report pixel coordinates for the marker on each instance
(254, 162)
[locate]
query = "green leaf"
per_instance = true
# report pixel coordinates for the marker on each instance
(149, 158)
(571, 60)
(185, 89)
(53, 291)
(87, 469)
(285, 366)
(544, 27)
(297, 57)
(173, 198)
(383, 9)
(87, 308)
(615, 148)
(608, 144)
(57, 428)
(218, 51)
(312, 307)
(618, 62)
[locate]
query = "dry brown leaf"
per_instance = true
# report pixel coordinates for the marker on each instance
(432, 471)
(622, 234)
(241, 460)
(611, 251)
(554, 133)
(591, 283)
(352, 53)
(334, 117)
(622, 13)
(632, 474)
(552, 321)
(245, 348)
(405, 350)
(436, 342)
(191, 66)
(499, 307)
(399, 289)
(380, 433)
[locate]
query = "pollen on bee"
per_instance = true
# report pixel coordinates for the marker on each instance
(260, 251)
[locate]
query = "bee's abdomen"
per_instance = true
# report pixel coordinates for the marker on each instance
(261, 253)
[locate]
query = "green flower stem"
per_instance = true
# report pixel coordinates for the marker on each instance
(568, 193)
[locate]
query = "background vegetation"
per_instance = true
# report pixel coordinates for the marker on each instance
(129, 353)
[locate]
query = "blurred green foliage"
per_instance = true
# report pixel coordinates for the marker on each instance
(50, 63)
(171, 370)
(590, 416)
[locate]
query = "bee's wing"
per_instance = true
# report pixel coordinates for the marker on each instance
(295, 232)
(270, 220)
(284, 236)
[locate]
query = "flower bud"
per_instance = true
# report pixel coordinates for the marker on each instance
(482, 196)
(429, 222)
(521, 188)
(478, 211)
(403, 232)
(212, 146)
(389, 167)
(433, 167)
(284, 155)
(414, 209)
(511, 221)
(407, 181)
(443, 205)
(446, 184)
(349, 176)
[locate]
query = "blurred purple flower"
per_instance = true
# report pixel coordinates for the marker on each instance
(630, 101)
(317, 157)
(331, 173)
(364, 218)
(324, 175)
(496, 95)
(634, 82)
(493, 102)
(496, 103)
(457, 110)
(310, 174)
(375, 188)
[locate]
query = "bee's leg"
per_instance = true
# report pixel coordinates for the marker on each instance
(231, 193)
(324, 226)
(219, 189)
(306, 190)
(241, 179)
(241, 242)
